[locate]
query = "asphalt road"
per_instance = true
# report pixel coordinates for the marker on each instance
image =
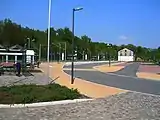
(119, 81)
(129, 70)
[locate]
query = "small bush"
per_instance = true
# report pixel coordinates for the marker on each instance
(36, 93)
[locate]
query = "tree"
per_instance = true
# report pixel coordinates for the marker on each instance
(12, 33)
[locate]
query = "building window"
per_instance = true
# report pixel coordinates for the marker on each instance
(11, 58)
(19, 58)
(120, 53)
(130, 53)
(125, 52)
(2, 58)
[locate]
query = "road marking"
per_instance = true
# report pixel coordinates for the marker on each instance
(129, 76)
(78, 69)
(122, 75)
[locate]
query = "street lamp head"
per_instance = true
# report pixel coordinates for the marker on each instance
(78, 8)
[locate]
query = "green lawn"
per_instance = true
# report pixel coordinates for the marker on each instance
(36, 93)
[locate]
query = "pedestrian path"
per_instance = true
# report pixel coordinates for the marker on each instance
(85, 87)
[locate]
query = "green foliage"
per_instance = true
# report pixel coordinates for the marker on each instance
(36, 93)
(12, 33)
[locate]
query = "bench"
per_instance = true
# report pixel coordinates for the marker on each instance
(7, 67)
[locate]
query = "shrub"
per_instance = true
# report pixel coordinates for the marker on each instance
(36, 93)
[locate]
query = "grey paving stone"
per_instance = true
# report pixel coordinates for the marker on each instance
(34, 78)
(126, 106)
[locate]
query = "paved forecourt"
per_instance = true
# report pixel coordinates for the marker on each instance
(85, 87)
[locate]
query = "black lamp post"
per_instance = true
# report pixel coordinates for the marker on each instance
(72, 68)
(109, 55)
(29, 41)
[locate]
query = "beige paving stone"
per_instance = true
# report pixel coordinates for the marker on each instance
(150, 76)
(90, 89)
(112, 68)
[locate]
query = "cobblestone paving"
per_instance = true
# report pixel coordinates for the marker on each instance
(34, 78)
(125, 106)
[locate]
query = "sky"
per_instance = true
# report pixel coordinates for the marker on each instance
(111, 21)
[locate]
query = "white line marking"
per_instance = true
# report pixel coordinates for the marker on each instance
(129, 76)
(122, 75)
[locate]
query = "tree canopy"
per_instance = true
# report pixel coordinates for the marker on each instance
(12, 33)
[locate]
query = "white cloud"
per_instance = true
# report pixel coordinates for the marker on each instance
(123, 37)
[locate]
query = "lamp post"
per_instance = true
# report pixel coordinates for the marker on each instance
(29, 42)
(90, 53)
(60, 46)
(109, 45)
(72, 68)
(40, 47)
(65, 49)
(48, 46)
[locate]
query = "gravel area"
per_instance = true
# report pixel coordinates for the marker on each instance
(30, 78)
(125, 106)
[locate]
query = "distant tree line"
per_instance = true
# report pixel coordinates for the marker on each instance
(12, 33)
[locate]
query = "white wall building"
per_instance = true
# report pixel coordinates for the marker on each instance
(14, 54)
(125, 55)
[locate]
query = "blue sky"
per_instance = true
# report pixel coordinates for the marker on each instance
(114, 21)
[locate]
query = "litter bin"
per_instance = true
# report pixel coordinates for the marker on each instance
(18, 68)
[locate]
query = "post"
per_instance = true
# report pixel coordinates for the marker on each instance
(65, 51)
(2, 59)
(83, 55)
(86, 56)
(98, 57)
(6, 58)
(15, 59)
(90, 55)
(59, 52)
(109, 56)
(72, 68)
(40, 52)
(29, 43)
(49, 21)
(51, 54)
(109, 60)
